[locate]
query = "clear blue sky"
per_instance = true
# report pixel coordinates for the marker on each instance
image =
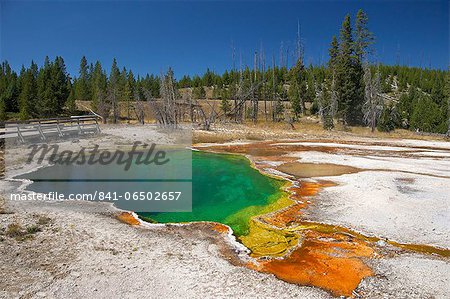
(149, 36)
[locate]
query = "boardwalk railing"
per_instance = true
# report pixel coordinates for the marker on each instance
(51, 127)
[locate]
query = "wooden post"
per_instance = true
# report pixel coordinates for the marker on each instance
(41, 132)
(96, 124)
(19, 134)
(80, 131)
(60, 133)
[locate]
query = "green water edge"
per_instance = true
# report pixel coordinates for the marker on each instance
(225, 189)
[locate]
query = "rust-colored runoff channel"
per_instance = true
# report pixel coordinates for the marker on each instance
(324, 256)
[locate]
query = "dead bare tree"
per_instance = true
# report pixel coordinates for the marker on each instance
(207, 119)
(254, 95)
(274, 92)
(287, 57)
(299, 47)
(103, 105)
(262, 60)
(248, 89)
(373, 104)
(281, 63)
(166, 111)
(191, 108)
(115, 106)
(236, 91)
(139, 108)
(334, 97)
(242, 95)
(233, 55)
(299, 71)
(169, 96)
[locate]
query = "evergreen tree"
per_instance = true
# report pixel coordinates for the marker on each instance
(278, 110)
(99, 84)
(208, 78)
(47, 100)
(314, 107)
(437, 92)
(59, 78)
(226, 78)
(153, 84)
(9, 88)
(344, 71)
(364, 38)
(362, 48)
(388, 119)
(5, 77)
(123, 79)
(90, 75)
(198, 92)
(427, 116)
(349, 87)
(3, 114)
(114, 90)
(325, 106)
(28, 93)
(402, 83)
(447, 95)
(406, 105)
(5, 71)
(332, 77)
(297, 90)
(82, 90)
(197, 81)
(311, 90)
(70, 103)
(185, 82)
(52, 88)
(334, 53)
(129, 92)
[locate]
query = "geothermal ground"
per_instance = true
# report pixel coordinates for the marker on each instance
(365, 217)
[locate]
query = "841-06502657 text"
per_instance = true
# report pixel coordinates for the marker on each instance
(165, 195)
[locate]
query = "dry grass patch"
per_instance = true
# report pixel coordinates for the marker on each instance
(32, 229)
(44, 220)
(212, 137)
(308, 127)
(20, 233)
(15, 230)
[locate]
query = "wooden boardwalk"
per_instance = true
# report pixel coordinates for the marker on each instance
(44, 129)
